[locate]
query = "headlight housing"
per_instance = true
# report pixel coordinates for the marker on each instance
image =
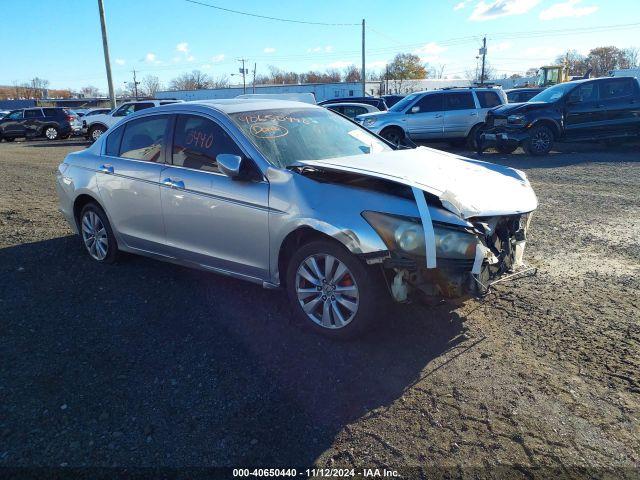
(405, 234)
(369, 122)
(516, 119)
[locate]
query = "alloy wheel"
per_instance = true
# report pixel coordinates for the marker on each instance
(95, 133)
(51, 133)
(94, 235)
(327, 291)
(541, 141)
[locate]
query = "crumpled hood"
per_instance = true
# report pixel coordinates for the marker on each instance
(466, 187)
(513, 108)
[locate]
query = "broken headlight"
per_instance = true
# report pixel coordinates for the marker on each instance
(406, 234)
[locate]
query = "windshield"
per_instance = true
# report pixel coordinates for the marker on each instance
(404, 103)
(553, 94)
(287, 136)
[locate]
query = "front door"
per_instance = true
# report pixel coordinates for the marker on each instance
(128, 181)
(33, 118)
(460, 114)
(585, 115)
(425, 117)
(211, 219)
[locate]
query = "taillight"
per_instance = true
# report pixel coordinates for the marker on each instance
(70, 118)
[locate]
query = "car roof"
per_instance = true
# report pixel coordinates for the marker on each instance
(348, 104)
(236, 105)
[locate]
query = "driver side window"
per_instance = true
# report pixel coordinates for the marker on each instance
(124, 110)
(585, 93)
(429, 103)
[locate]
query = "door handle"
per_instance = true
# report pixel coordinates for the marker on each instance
(439, 115)
(173, 183)
(474, 114)
(106, 168)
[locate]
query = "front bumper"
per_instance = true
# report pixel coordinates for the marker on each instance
(497, 136)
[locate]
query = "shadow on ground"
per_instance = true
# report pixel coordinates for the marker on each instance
(147, 363)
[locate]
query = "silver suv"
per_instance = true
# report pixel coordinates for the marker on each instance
(453, 114)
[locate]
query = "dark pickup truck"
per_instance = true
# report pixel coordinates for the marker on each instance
(591, 109)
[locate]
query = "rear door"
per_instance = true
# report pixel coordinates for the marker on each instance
(211, 219)
(425, 117)
(585, 115)
(129, 181)
(621, 101)
(460, 114)
(33, 119)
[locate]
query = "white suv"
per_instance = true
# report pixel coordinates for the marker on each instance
(95, 125)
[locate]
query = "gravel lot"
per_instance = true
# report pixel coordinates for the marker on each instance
(149, 364)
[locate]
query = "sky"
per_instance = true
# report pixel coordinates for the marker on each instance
(60, 40)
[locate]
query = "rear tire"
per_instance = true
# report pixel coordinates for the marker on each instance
(507, 149)
(472, 138)
(95, 132)
(96, 234)
(393, 135)
(539, 142)
(332, 292)
(51, 133)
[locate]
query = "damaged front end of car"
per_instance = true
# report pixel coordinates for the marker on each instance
(469, 260)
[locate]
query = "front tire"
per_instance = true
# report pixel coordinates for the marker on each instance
(96, 233)
(331, 291)
(472, 138)
(51, 133)
(540, 141)
(393, 135)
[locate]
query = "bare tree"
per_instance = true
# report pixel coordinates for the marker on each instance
(220, 82)
(90, 91)
(352, 74)
(191, 81)
(632, 57)
(150, 85)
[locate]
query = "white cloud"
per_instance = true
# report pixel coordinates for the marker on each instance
(205, 66)
(501, 8)
(429, 52)
(326, 49)
(182, 47)
(120, 61)
(570, 8)
(150, 57)
(461, 5)
(217, 58)
(269, 50)
(500, 47)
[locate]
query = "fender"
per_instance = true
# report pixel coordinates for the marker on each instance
(556, 126)
(90, 125)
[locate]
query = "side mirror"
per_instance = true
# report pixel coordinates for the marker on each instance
(415, 109)
(229, 165)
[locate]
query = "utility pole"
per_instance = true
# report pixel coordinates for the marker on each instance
(243, 71)
(254, 76)
(105, 47)
(483, 52)
(362, 72)
(135, 84)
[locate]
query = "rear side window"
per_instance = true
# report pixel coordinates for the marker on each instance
(197, 142)
(488, 99)
(459, 101)
(32, 113)
(143, 138)
(616, 88)
(112, 146)
(50, 112)
(141, 106)
(429, 103)
(167, 103)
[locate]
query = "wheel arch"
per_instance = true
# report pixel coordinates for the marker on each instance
(79, 203)
(551, 124)
(97, 124)
(393, 126)
(300, 236)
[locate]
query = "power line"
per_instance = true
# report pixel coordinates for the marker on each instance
(272, 18)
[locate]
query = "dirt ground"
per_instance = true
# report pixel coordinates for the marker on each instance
(145, 364)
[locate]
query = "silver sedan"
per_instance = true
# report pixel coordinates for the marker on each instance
(291, 195)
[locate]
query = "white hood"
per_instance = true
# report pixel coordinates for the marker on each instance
(466, 187)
